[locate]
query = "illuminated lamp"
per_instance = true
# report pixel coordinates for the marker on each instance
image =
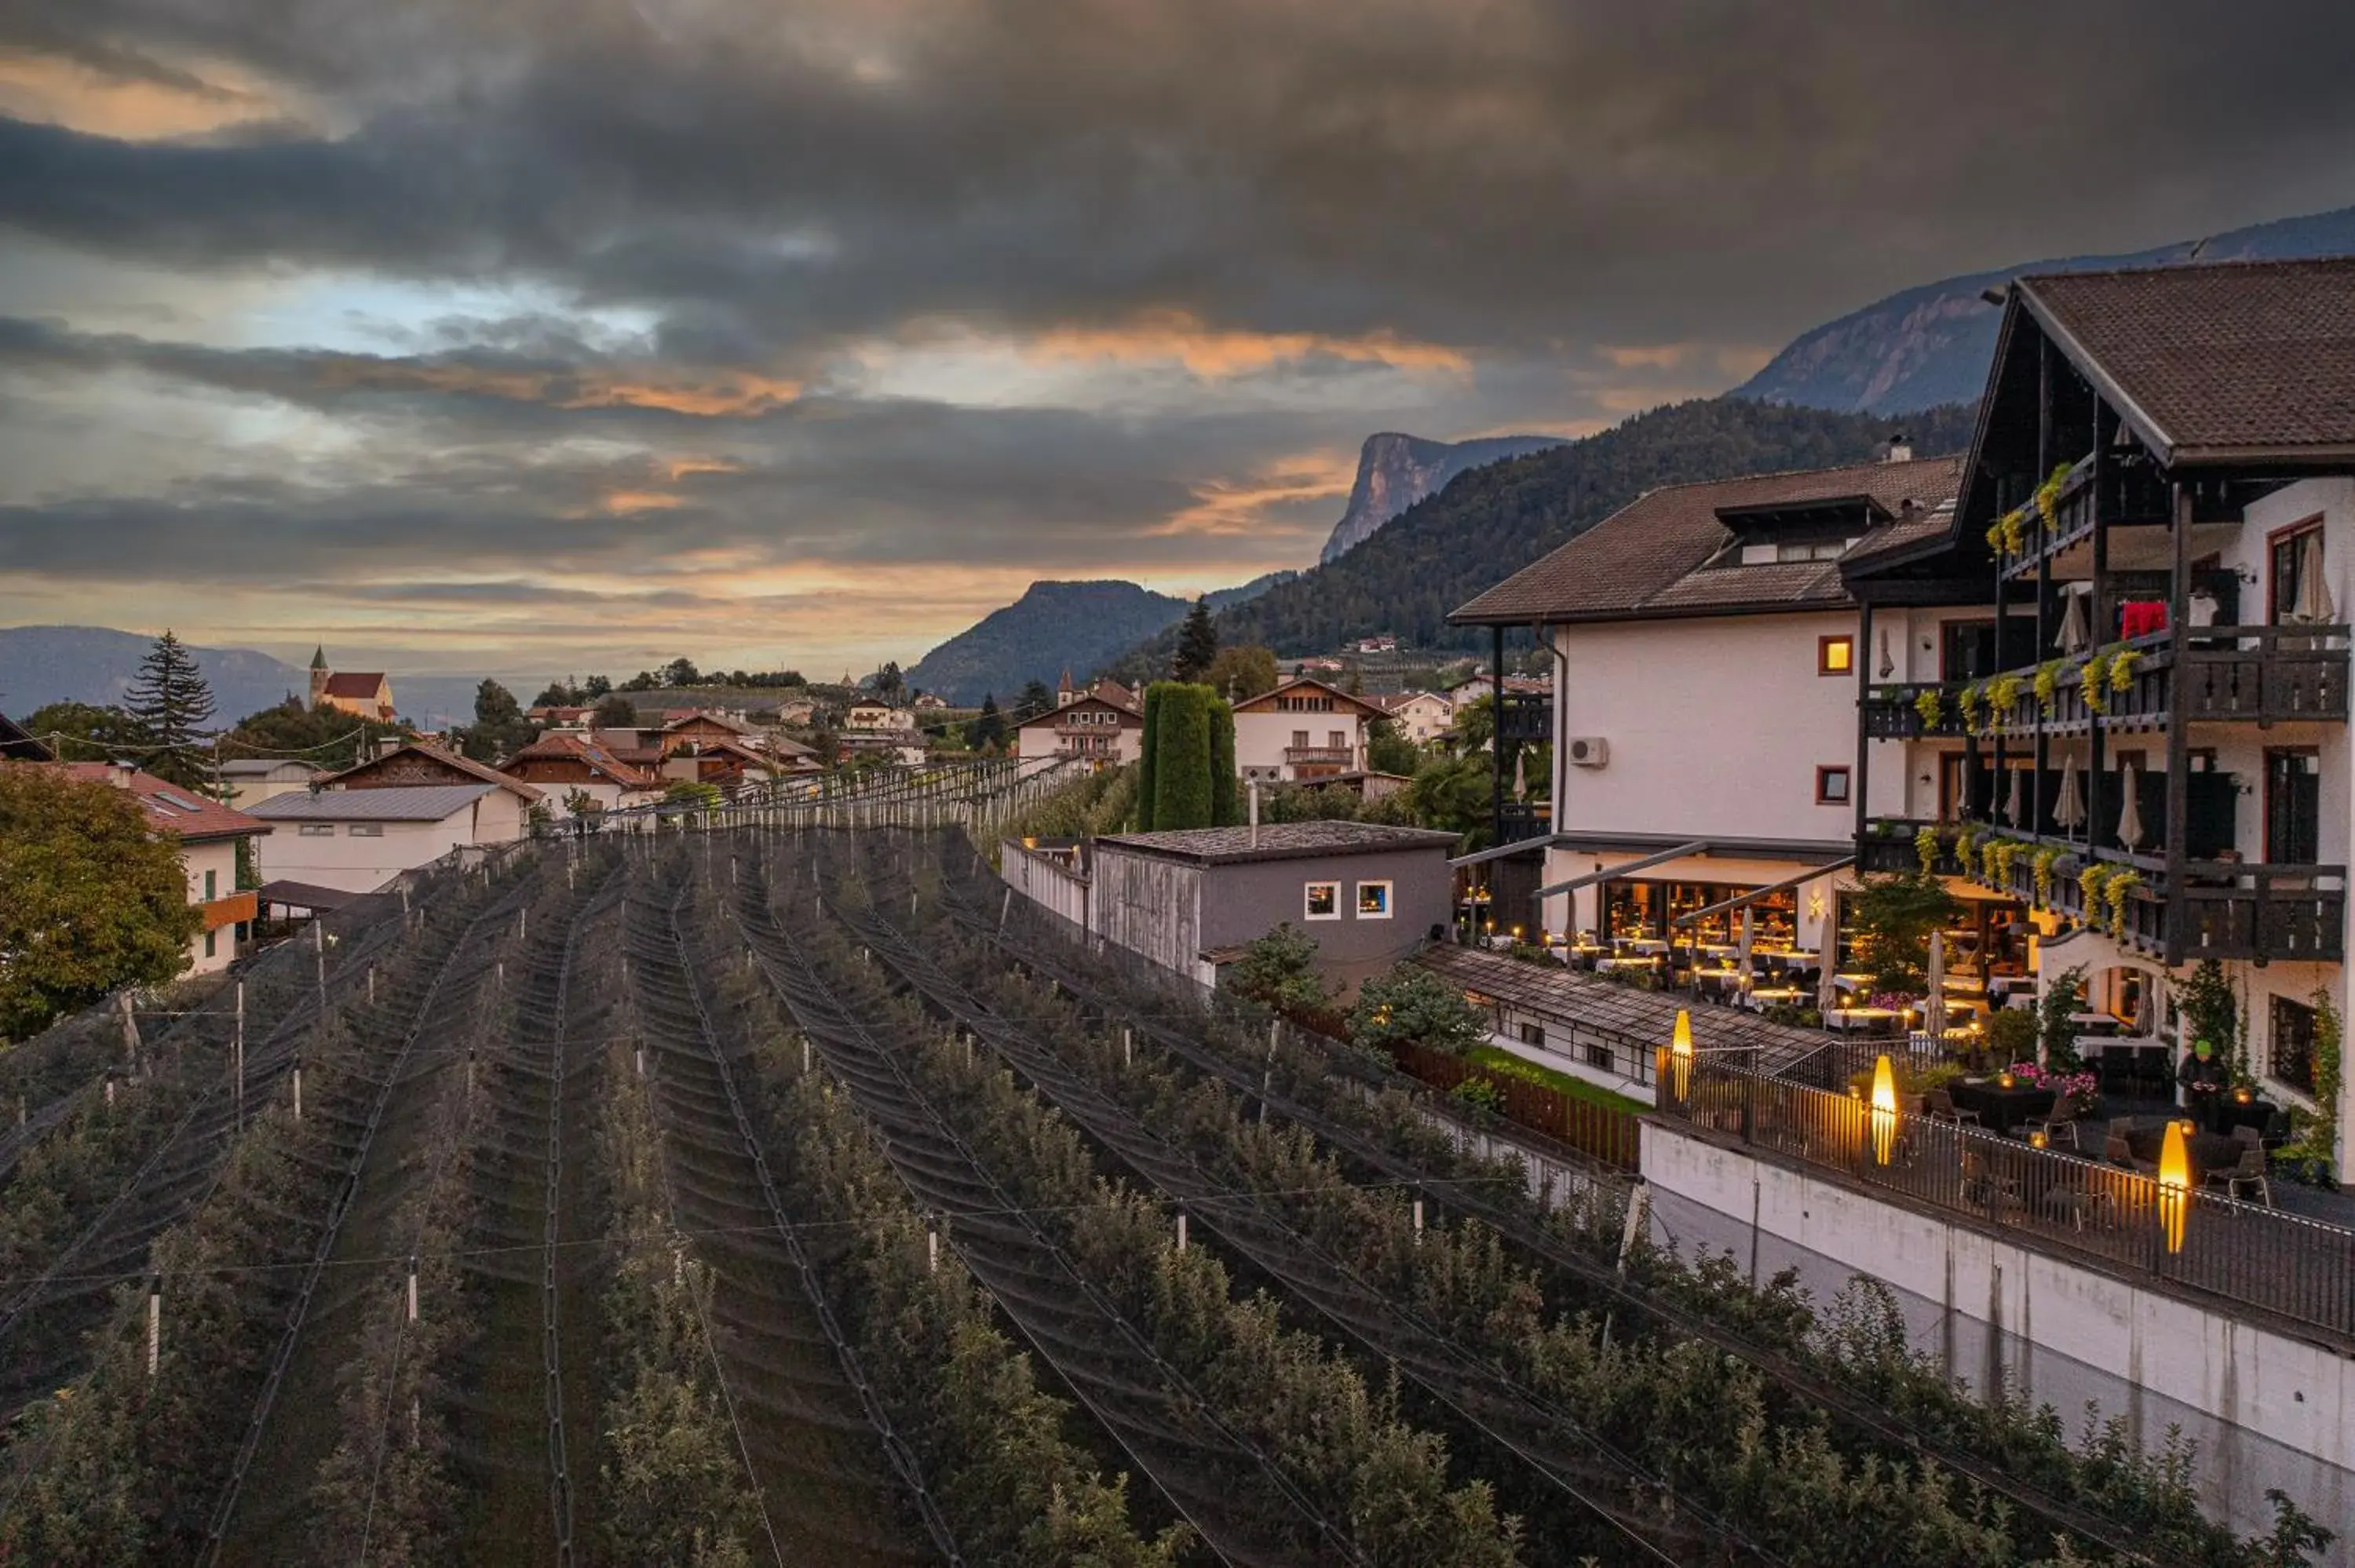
(1883, 1115)
(2174, 1183)
(1681, 1053)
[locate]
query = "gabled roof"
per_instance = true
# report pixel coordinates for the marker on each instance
(589, 754)
(1265, 701)
(169, 806)
(2230, 361)
(679, 718)
(360, 777)
(395, 804)
(1276, 841)
(1655, 558)
(18, 743)
(355, 683)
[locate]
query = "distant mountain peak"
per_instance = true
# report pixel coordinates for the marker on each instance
(1395, 471)
(1931, 344)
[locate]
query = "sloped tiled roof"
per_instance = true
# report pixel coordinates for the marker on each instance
(587, 752)
(1267, 701)
(1277, 841)
(361, 777)
(1651, 555)
(2229, 358)
(354, 685)
(396, 803)
(170, 805)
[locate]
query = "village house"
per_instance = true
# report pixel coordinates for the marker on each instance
(560, 717)
(1420, 717)
(879, 729)
(1102, 724)
(354, 840)
(416, 762)
(208, 833)
(578, 773)
(367, 695)
(18, 744)
(1304, 731)
(249, 780)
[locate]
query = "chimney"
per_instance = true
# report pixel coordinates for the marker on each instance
(119, 775)
(1901, 450)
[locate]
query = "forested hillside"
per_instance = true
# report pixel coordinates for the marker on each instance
(1493, 521)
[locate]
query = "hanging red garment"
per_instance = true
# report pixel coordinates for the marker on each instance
(2141, 616)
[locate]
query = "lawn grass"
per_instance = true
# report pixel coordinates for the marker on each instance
(1506, 1062)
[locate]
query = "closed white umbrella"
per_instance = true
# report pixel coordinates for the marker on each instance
(2130, 831)
(2313, 606)
(1521, 775)
(1827, 988)
(1887, 665)
(1934, 1010)
(2069, 811)
(2015, 811)
(2074, 632)
(1747, 925)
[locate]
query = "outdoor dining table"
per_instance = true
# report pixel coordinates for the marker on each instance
(2000, 1109)
(1764, 997)
(1851, 983)
(1606, 966)
(1645, 945)
(1860, 1017)
(2209, 1150)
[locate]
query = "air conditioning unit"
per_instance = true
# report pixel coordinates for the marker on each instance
(1586, 750)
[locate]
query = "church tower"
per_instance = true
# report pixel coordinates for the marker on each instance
(318, 675)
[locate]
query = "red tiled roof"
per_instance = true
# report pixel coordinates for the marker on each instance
(359, 777)
(2231, 358)
(595, 758)
(179, 811)
(1264, 701)
(1651, 555)
(354, 685)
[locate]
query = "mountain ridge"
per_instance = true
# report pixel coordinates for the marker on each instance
(1395, 471)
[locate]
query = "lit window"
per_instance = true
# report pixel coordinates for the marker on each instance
(1324, 901)
(1835, 655)
(1831, 787)
(1373, 901)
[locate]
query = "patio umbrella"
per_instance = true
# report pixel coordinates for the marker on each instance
(1887, 665)
(2069, 811)
(1521, 775)
(1934, 1010)
(1744, 946)
(2015, 811)
(2313, 606)
(2130, 831)
(1826, 990)
(2074, 633)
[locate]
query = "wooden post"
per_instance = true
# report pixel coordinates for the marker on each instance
(932, 1250)
(130, 1029)
(319, 958)
(298, 1088)
(413, 1288)
(2178, 740)
(237, 1053)
(1181, 1230)
(155, 1321)
(1418, 1222)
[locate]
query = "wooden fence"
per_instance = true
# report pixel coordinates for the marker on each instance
(1607, 1132)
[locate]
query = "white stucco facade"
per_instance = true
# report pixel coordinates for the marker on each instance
(211, 867)
(344, 840)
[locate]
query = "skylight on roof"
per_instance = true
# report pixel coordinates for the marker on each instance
(176, 801)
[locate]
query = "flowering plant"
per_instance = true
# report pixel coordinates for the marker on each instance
(2080, 1090)
(1892, 1000)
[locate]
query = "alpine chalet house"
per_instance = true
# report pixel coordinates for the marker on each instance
(208, 835)
(367, 695)
(1302, 732)
(578, 770)
(1420, 717)
(2160, 511)
(1102, 724)
(1709, 651)
(416, 762)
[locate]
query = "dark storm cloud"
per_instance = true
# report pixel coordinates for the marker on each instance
(1498, 174)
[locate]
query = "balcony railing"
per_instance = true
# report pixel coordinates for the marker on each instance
(1521, 821)
(2229, 909)
(235, 910)
(1526, 716)
(1320, 756)
(2300, 1269)
(2260, 674)
(2131, 495)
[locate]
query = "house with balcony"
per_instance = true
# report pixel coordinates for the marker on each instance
(1304, 731)
(1420, 717)
(209, 836)
(582, 775)
(1102, 724)
(2143, 735)
(1708, 648)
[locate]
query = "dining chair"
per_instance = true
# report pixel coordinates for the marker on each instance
(1937, 1105)
(2063, 1120)
(2248, 1172)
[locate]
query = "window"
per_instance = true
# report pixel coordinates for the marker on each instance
(212, 885)
(2289, 550)
(1337, 740)
(2292, 1060)
(1324, 901)
(1373, 901)
(1835, 655)
(2293, 805)
(1300, 739)
(317, 829)
(1831, 785)
(1810, 550)
(367, 829)
(210, 939)
(1533, 1034)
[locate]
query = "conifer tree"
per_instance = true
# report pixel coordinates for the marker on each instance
(1197, 644)
(172, 706)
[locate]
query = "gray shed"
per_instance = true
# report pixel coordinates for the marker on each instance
(1190, 900)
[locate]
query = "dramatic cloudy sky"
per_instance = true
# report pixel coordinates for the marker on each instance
(543, 334)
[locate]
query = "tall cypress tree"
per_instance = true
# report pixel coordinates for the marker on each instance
(1181, 773)
(1197, 644)
(1223, 812)
(1148, 772)
(172, 705)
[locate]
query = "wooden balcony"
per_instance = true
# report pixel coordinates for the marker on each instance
(2263, 675)
(2132, 496)
(232, 910)
(2226, 909)
(1320, 756)
(1526, 716)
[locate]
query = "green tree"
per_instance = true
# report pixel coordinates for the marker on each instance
(1179, 730)
(1224, 810)
(1242, 672)
(2212, 1012)
(889, 684)
(1475, 723)
(91, 898)
(1279, 969)
(1890, 920)
(170, 703)
(1148, 768)
(1454, 793)
(2065, 995)
(594, 687)
(987, 729)
(1197, 644)
(85, 732)
(1410, 1005)
(681, 673)
(560, 694)
(324, 736)
(1036, 699)
(613, 711)
(499, 726)
(1388, 751)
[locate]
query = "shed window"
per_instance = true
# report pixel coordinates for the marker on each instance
(1373, 900)
(1323, 901)
(367, 829)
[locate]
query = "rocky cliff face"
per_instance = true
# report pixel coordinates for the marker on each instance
(1394, 471)
(1932, 344)
(1053, 627)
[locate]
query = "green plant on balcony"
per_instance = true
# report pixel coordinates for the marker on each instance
(2048, 494)
(2048, 686)
(1964, 842)
(2091, 882)
(2003, 695)
(2114, 892)
(1930, 706)
(2095, 680)
(2001, 855)
(2041, 868)
(1925, 848)
(2313, 1149)
(2008, 535)
(1971, 699)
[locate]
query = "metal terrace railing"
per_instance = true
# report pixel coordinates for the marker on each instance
(2300, 1269)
